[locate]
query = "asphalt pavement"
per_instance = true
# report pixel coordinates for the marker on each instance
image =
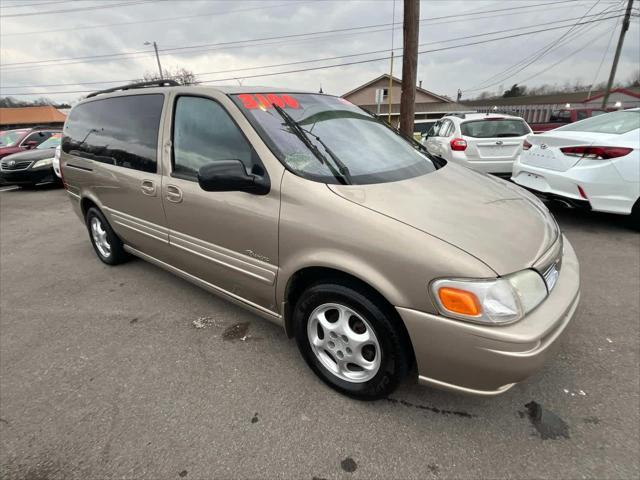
(131, 372)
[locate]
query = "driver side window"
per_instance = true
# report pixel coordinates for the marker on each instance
(203, 133)
(37, 137)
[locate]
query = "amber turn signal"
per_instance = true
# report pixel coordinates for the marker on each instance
(459, 301)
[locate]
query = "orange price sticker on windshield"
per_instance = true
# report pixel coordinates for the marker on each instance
(267, 100)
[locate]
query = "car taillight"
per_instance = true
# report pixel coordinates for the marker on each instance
(458, 145)
(596, 153)
(526, 145)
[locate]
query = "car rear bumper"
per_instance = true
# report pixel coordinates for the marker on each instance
(605, 189)
(488, 360)
(28, 177)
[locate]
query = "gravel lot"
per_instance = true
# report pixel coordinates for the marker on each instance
(104, 374)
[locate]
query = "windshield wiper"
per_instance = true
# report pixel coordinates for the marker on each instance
(341, 173)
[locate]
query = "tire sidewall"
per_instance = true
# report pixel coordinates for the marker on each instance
(391, 367)
(113, 258)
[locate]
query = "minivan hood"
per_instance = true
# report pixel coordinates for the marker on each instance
(496, 222)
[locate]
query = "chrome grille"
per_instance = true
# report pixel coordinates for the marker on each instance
(13, 165)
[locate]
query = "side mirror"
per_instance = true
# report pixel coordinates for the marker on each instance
(231, 176)
(30, 144)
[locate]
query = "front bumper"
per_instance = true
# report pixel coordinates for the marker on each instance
(28, 177)
(488, 360)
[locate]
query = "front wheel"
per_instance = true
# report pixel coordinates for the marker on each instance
(349, 339)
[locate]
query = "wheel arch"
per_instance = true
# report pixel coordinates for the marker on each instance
(304, 277)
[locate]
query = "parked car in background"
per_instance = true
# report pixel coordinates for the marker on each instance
(308, 211)
(32, 167)
(592, 163)
(564, 116)
(488, 143)
(19, 140)
(421, 128)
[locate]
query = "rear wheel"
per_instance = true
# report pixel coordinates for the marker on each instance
(634, 218)
(106, 243)
(349, 339)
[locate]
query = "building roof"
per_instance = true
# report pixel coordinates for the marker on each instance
(395, 80)
(31, 115)
(555, 98)
(429, 107)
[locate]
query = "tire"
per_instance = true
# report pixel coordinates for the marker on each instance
(634, 218)
(348, 309)
(112, 252)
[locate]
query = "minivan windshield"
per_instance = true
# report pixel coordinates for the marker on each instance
(615, 122)
(370, 151)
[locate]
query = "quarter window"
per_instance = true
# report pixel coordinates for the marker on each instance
(121, 131)
(203, 132)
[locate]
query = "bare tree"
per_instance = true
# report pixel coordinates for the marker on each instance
(179, 74)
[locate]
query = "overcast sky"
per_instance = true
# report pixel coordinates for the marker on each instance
(92, 31)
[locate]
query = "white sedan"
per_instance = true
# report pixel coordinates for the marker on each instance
(593, 163)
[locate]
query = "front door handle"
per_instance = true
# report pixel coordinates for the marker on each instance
(174, 194)
(148, 188)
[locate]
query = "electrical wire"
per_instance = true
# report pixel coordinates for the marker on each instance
(304, 61)
(79, 9)
(486, 83)
(346, 63)
(194, 48)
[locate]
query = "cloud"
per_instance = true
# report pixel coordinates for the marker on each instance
(228, 21)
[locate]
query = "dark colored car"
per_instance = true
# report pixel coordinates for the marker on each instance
(32, 167)
(19, 140)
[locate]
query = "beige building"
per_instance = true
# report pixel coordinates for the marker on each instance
(429, 106)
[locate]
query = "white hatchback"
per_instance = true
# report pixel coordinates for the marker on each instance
(593, 162)
(489, 143)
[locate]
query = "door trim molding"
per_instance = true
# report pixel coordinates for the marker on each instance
(254, 307)
(138, 225)
(262, 271)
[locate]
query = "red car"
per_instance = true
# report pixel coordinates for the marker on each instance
(14, 141)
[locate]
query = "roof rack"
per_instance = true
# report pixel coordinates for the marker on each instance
(131, 86)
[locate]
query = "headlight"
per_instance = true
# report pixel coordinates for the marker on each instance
(491, 301)
(43, 163)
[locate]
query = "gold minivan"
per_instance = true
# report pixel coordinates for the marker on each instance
(381, 260)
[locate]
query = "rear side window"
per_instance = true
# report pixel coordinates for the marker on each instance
(490, 128)
(560, 116)
(203, 132)
(121, 131)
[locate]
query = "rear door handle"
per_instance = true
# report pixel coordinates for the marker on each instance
(148, 188)
(174, 194)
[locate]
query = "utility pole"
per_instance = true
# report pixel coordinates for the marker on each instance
(612, 75)
(410, 32)
(155, 47)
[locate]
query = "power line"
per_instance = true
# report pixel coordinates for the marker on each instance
(495, 32)
(173, 19)
(79, 9)
(347, 63)
(604, 54)
(21, 5)
(538, 55)
(167, 19)
(107, 57)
